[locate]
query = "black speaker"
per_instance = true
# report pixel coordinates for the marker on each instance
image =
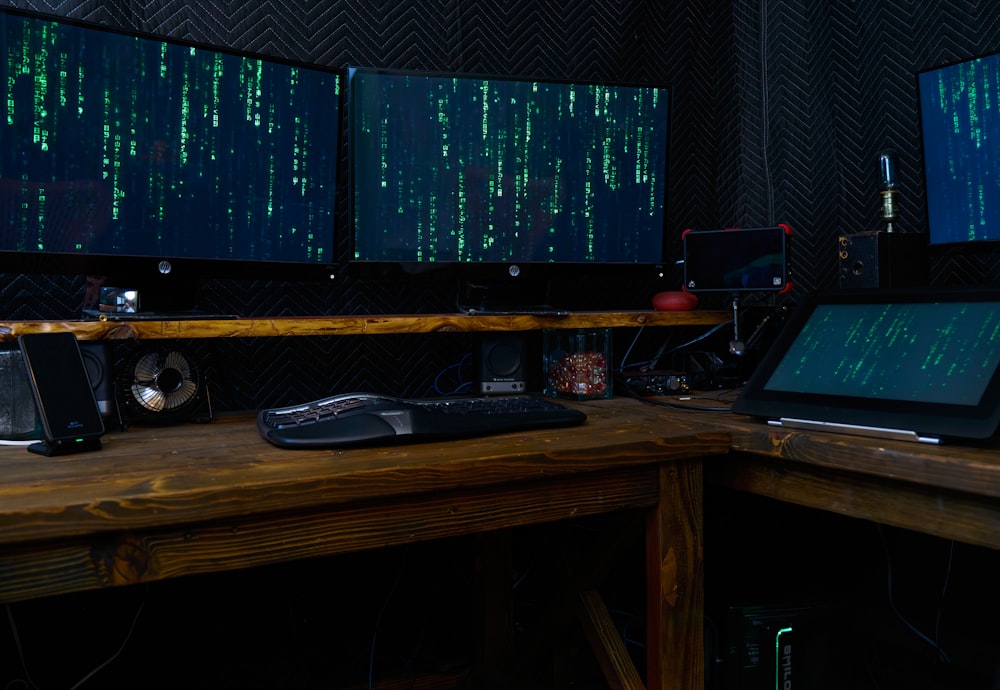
(881, 259)
(502, 366)
(97, 362)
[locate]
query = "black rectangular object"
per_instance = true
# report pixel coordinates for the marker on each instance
(779, 647)
(882, 260)
(67, 408)
(737, 259)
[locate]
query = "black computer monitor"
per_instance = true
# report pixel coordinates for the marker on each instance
(960, 122)
(162, 162)
(500, 182)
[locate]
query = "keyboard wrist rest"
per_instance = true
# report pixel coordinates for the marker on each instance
(355, 429)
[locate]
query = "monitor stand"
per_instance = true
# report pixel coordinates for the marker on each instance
(496, 299)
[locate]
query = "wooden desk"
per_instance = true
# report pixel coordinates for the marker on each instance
(950, 491)
(164, 502)
(371, 324)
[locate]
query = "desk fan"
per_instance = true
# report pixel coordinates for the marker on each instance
(162, 385)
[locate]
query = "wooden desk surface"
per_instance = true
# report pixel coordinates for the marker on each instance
(370, 324)
(950, 490)
(162, 502)
(216, 496)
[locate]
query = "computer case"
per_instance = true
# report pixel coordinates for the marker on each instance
(779, 648)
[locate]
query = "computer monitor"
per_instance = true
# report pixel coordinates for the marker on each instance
(504, 183)
(161, 162)
(960, 122)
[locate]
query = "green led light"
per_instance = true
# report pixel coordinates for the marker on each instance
(777, 658)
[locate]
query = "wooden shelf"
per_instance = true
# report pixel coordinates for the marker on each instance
(355, 325)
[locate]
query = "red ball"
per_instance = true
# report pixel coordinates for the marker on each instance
(674, 301)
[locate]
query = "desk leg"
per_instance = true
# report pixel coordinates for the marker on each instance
(675, 581)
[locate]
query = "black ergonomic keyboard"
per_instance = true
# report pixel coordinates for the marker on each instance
(353, 419)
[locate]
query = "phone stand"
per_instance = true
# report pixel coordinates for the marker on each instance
(65, 446)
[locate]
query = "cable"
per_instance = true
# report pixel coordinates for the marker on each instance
(759, 330)
(457, 367)
(661, 401)
(684, 406)
(655, 359)
(79, 683)
(944, 592)
(378, 621)
(114, 656)
(765, 114)
(17, 644)
(942, 655)
(631, 346)
(628, 618)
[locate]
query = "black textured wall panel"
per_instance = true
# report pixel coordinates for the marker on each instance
(816, 92)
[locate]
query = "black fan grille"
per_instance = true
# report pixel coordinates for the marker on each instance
(158, 382)
(163, 382)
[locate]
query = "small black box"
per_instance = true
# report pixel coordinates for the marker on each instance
(880, 259)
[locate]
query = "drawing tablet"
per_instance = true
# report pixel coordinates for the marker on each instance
(921, 365)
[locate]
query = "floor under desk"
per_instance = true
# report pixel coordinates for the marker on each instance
(405, 616)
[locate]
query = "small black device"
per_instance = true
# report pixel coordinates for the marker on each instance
(656, 381)
(737, 259)
(883, 259)
(70, 416)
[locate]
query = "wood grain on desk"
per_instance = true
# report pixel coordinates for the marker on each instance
(160, 502)
(371, 324)
(950, 490)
